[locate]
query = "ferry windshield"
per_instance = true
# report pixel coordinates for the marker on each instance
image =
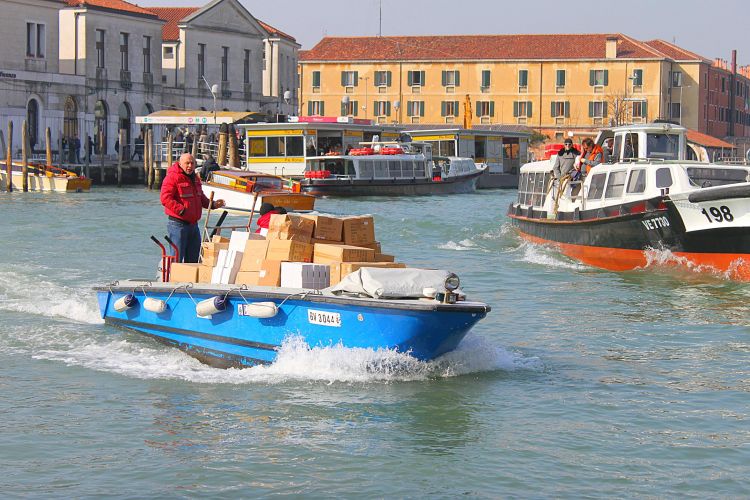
(663, 146)
(269, 182)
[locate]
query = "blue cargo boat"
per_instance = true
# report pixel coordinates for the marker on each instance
(236, 326)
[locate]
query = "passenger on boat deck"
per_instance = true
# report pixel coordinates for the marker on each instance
(592, 155)
(209, 165)
(265, 212)
(184, 201)
(565, 161)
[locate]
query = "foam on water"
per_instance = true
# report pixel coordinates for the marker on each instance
(296, 362)
(461, 246)
(660, 257)
(540, 254)
(23, 292)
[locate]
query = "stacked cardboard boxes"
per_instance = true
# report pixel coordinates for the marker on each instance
(300, 251)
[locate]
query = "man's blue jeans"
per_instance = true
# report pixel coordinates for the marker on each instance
(187, 238)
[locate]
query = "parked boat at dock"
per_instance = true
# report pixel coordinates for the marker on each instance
(390, 169)
(649, 198)
(240, 188)
(45, 178)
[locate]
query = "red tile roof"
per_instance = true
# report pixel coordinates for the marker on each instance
(673, 51)
(477, 47)
(113, 5)
(274, 31)
(707, 140)
(170, 32)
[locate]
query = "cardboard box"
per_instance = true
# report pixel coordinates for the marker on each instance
(375, 246)
(270, 273)
(247, 278)
(238, 240)
(359, 230)
(327, 228)
(327, 253)
(204, 273)
(210, 251)
(183, 273)
(305, 275)
(289, 250)
(290, 227)
(254, 255)
(384, 257)
(219, 239)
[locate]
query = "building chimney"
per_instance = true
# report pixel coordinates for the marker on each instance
(611, 47)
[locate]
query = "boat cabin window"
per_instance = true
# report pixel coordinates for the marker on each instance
(630, 150)
(663, 177)
(276, 146)
(366, 170)
(615, 184)
(663, 146)
(616, 149)
(637, 181)
(714, 176)
(443, 148)
(596, 186)
(337, 166)
(531, 188)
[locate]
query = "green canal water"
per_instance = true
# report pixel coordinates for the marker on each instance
(579, 383)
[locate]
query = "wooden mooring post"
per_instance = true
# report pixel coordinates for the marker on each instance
(149, 150)
(120, 150)
(222, 159)
(87, 150)
(9, 157)
(234, 153)
(25, 157)
(48, 146)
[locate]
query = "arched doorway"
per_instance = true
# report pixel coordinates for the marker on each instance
(100, 127)
(124, 118)
(32, 121)
(70, 117)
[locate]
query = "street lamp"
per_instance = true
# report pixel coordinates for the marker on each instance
(214, 89)
(396, 107)
(287, 97)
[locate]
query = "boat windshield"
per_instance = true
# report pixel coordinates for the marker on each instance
(663, 146)
(715, 176)
(269, 182)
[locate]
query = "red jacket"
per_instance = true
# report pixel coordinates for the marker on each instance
(182, 195)
(265, 220)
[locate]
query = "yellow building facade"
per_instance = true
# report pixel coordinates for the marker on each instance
(553, 83)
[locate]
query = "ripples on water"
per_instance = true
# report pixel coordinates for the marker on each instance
(580, 382)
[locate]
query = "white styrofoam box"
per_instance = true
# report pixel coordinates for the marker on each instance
(221, 258)
(305, 275)
(238, 239)
(216, 274)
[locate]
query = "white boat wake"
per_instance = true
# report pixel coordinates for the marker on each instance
(296, 361)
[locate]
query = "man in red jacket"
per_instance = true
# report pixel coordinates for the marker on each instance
(184, 201)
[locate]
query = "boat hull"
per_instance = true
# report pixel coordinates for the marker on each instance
(55, 183)
(242, 202)
(624, 242)
(390, 187)
(233, 339)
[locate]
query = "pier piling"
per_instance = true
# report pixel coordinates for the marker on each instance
(25, 157)
(120, 150)
(9, 157)
(87, 149)
(222, 159)
(48, 146)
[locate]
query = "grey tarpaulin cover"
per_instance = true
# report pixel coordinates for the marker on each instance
(395, 283)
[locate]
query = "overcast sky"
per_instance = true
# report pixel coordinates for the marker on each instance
(709, 28)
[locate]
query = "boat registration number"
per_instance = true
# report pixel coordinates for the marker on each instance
(323, 318)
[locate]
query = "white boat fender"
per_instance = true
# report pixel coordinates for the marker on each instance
(206, 308)
(125, 302)
(154, 305)
(429, 292)
(260, 309)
